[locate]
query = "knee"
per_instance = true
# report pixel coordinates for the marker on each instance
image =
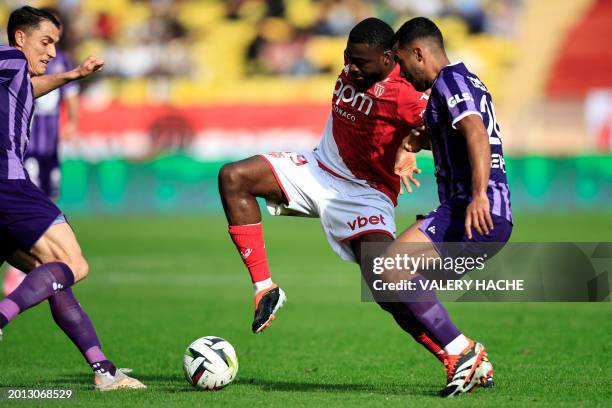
(231, 177)
(79, 267)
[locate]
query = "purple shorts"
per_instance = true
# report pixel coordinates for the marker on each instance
(25, 214)
(44, 171)
(446, 224)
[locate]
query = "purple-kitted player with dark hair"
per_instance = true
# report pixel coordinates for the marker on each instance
(34, 234)
(42, 158)
(463, 134)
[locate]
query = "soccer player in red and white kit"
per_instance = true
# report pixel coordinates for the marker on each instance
(351, 180)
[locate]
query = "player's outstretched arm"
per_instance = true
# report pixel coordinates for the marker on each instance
(479, 152)
(46, 83)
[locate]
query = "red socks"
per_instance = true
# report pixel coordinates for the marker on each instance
(431, 345)
(250, 243)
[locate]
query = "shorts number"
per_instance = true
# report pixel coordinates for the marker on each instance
(296, 158)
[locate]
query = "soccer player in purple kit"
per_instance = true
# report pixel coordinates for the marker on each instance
(34, 234)
(462, 132)
(42, 159)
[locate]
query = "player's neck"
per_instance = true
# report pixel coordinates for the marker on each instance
(387, 72)
(438, 64)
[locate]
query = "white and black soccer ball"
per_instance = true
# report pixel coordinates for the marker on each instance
(210, 363)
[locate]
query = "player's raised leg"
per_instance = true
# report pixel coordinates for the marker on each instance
(402, 314)
(55, 263)
(239, 185)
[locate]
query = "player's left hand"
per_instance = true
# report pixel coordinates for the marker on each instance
(406, 168)
(478, 216)
(89, 66)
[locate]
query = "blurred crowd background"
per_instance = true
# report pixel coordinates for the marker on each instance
(219, 80)
(203, 51)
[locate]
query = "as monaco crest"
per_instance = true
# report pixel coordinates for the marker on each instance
(379, 90)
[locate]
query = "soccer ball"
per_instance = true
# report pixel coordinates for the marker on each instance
(210, 363)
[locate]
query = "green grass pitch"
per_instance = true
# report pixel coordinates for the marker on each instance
(157, 283)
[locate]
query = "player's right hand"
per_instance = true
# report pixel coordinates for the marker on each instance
(477, 215)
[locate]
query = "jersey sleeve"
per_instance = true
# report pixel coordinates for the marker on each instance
(12, 62)
(411, 106)
(458, 96)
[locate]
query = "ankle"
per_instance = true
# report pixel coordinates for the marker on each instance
(103, 367)
(262, 285)
(457, 345)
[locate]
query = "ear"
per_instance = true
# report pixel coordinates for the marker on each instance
(20, 38)
(387, 57)
(418, 53)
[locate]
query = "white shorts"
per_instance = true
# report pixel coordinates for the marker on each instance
(346, 209)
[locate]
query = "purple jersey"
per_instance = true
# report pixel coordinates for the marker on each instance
(16, 109)
(455, 94)
(44, 134)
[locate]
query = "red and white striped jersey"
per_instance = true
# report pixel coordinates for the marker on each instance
(365, 129)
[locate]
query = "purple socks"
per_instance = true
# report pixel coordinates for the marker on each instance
(38, 285)
(8, 311)
(427, 309)
(52, 281)
(72, 319)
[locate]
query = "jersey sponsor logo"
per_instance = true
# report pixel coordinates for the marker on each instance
(360, 222)
(344, 113)
(349, 95)
(455, 99)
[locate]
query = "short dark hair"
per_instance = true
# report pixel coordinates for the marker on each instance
(417, 28)
(27, 18)
(55, 12)
(373, 32)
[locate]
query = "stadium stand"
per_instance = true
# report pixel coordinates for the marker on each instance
(210, 52)
(192, 51)
(584, 58)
